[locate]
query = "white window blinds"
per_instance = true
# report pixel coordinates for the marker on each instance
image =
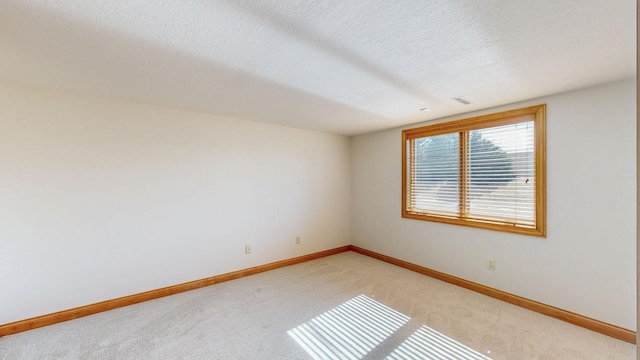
(501, 183)
(436, 174)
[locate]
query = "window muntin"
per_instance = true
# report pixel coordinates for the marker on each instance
(486, 171)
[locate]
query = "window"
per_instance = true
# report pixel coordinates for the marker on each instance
(486, 171)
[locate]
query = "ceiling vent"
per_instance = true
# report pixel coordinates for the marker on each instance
(462, 100)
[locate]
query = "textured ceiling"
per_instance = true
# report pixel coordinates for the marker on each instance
(346, 67)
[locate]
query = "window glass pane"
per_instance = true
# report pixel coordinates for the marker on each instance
(501, 173)
(436, 172)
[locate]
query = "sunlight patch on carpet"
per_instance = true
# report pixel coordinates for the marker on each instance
(354, 328)
(348, 331)
(427, 343)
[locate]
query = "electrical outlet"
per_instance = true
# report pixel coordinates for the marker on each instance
(491, 264)
(247, 249)
(297, 239)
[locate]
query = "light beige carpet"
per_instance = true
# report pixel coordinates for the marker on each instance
(346, 306)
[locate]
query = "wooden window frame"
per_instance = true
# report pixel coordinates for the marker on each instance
(537, 114)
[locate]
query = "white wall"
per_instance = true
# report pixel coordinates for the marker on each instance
(587, 262)
(102, 198)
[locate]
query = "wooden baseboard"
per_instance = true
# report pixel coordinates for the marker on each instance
(570, 317)
(573, 318)
(49, 319)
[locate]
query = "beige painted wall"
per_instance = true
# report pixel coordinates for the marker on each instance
(103, 198)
